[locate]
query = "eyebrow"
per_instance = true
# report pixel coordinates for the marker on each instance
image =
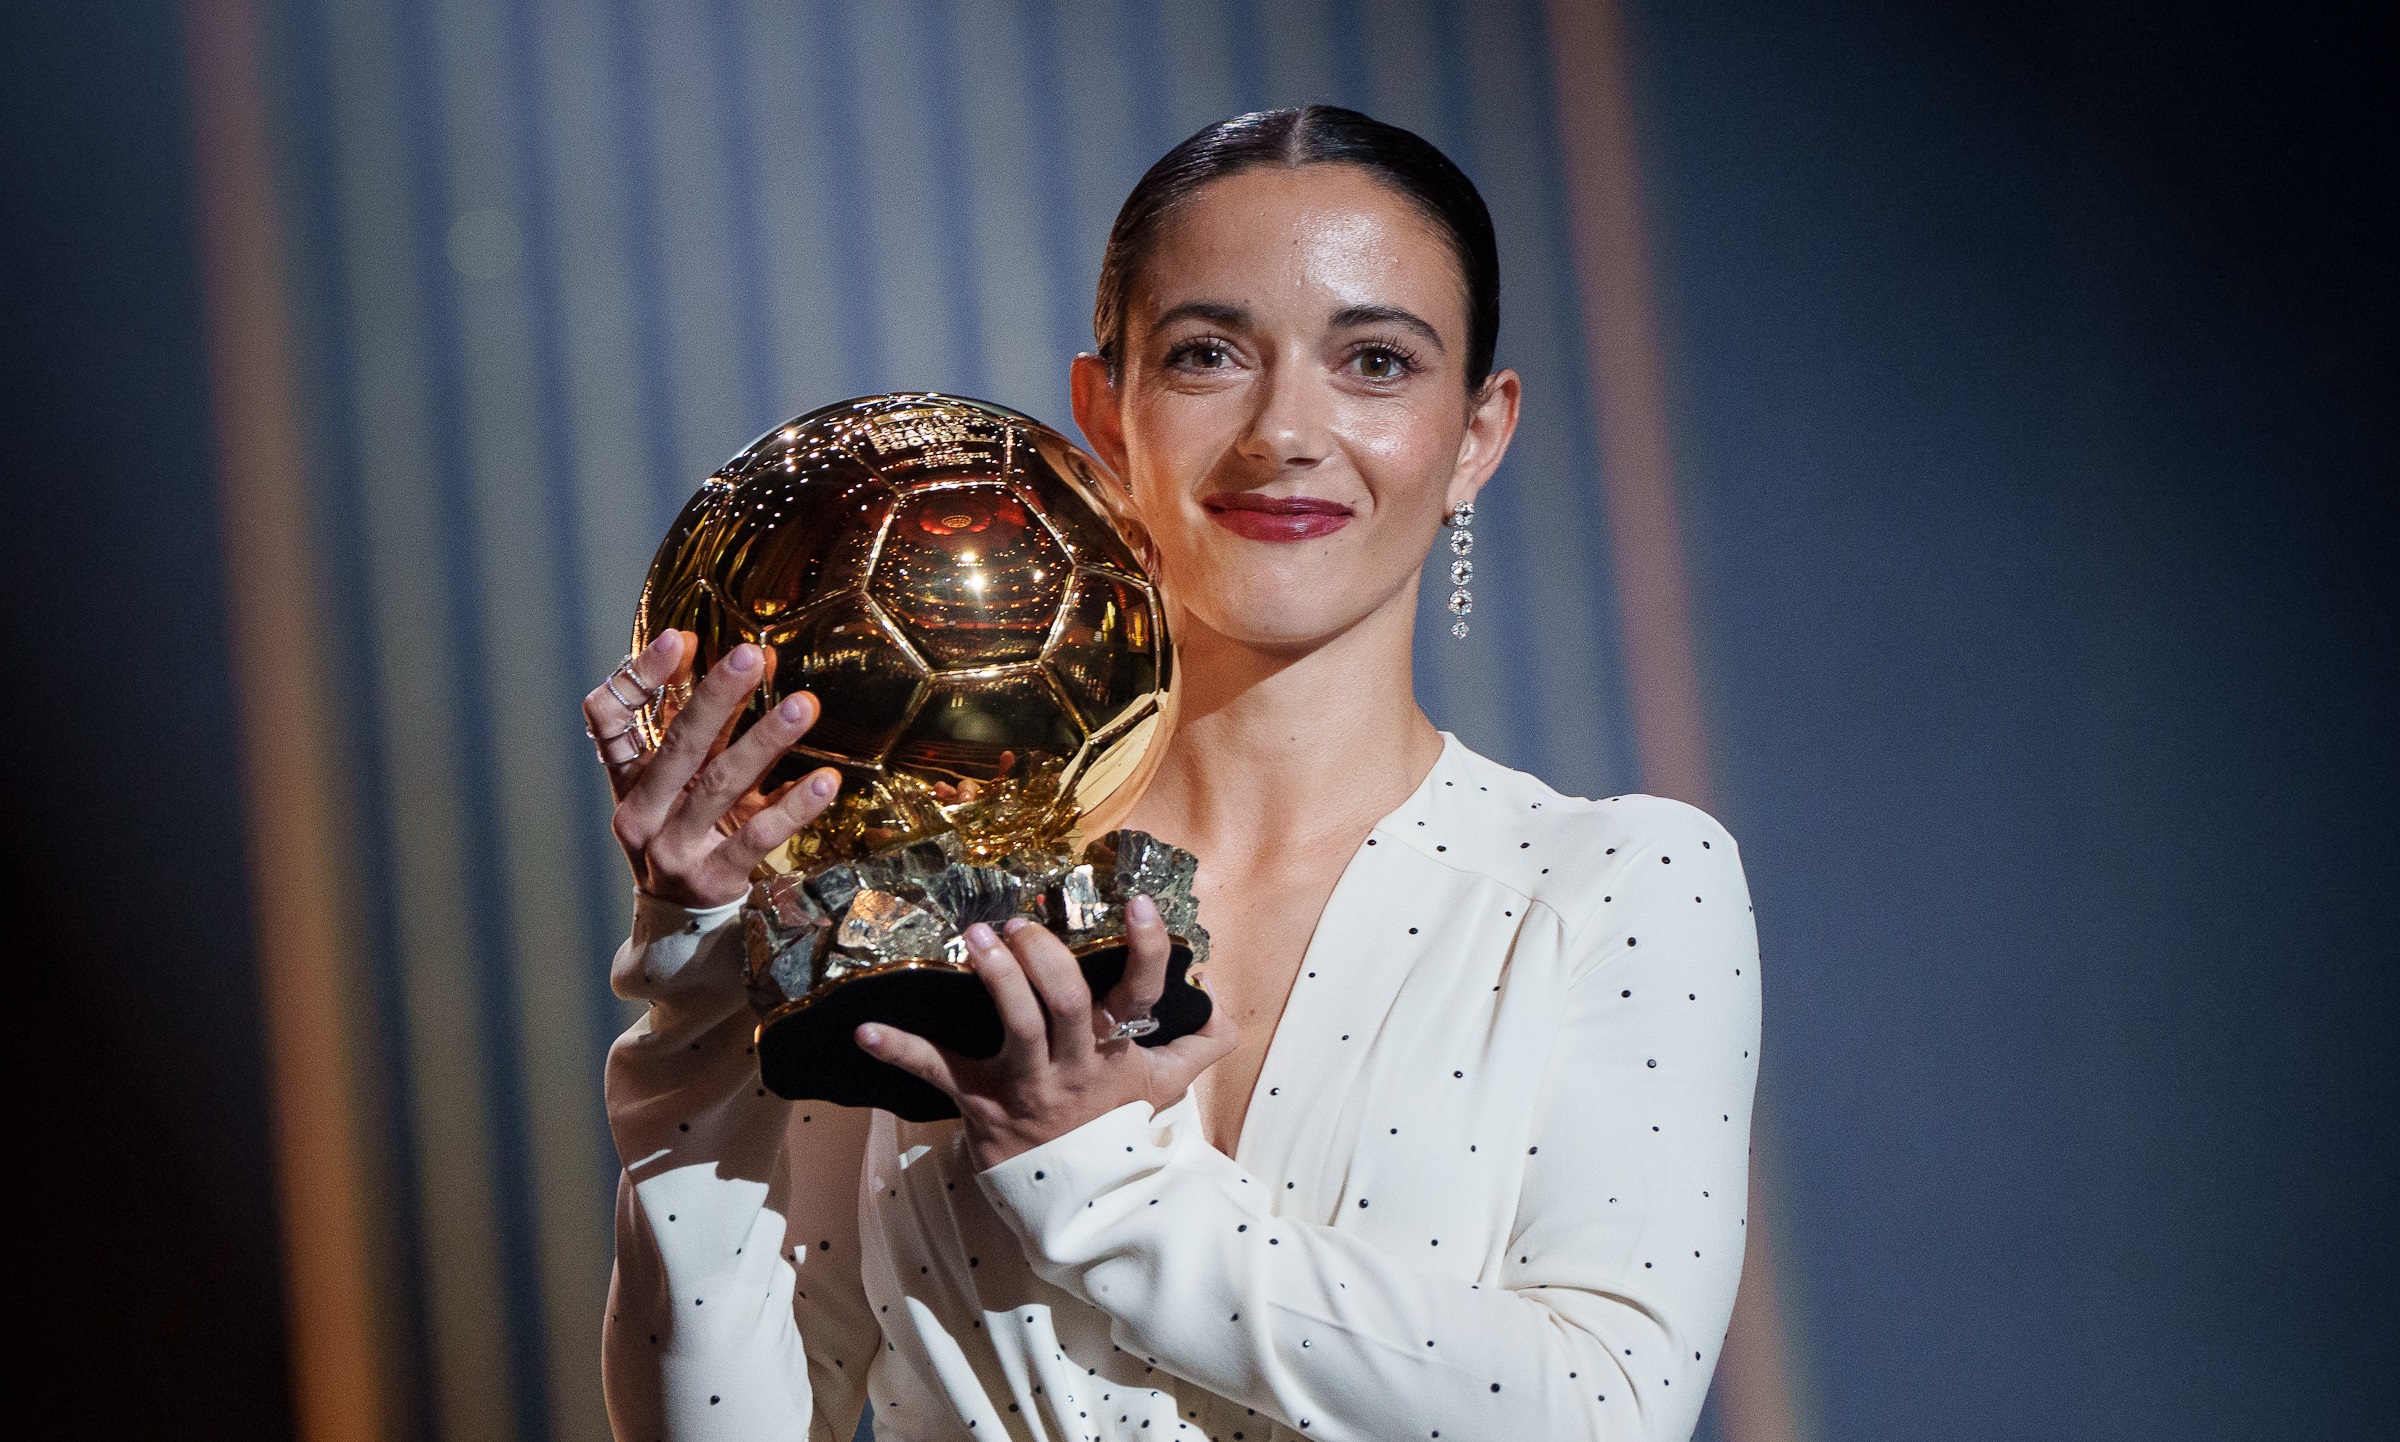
(1362, 315)
(1215, 311)
(1238, 317)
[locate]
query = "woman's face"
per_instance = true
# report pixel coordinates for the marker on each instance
(1291, 414)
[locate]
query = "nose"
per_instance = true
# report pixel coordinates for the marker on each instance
(1290, 428)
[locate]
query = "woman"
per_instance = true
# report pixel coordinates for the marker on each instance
(1463, 1154)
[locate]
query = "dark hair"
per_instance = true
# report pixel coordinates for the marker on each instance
(1308, 135)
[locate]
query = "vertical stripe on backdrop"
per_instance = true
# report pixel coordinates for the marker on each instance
(835, 77)
(1049, 81)
(613, 401)
(1093, 72)
(1145, 48)
(412, 614)
(1553, 593)
(543, 858)
(953, 215)
(697, 217)
(1296, 46)
(1601, 165)
(1566, 366)
(626, 82)
(998, 209)
(324, 284)
(1207, 77)
(914, 287)
(1246, 35)
(1636, 464)
(572, 1040)
(1345, 30)
(328, 1183)
(463, 568)
(801, 291)
(735, 111)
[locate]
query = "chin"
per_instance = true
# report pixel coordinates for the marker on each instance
(1285, 598)
(1282, 618)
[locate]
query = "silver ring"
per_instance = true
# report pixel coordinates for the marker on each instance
(600, 743)
(650, 693)
(1140, 1026)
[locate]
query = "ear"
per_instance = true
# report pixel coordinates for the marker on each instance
(1491, 424)
(1095, 401)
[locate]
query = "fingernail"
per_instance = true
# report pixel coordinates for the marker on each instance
(1142, 908)
(870, 1035)
(980, 937)
(1015, 925)
(793, 708)
(824, 783)
(744, 657)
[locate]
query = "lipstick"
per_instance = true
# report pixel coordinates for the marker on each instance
(1277, 518)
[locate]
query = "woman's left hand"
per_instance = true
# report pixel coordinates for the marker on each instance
(1057, 1068)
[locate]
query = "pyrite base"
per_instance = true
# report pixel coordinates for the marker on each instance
(805, 1051)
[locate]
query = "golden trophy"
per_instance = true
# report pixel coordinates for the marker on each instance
(959, 587)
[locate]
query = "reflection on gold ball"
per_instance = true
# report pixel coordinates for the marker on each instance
(956, 584)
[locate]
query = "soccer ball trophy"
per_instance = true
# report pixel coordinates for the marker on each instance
(955, 584)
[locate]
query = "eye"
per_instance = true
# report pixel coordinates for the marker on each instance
(1383, 362)
(1203, 354)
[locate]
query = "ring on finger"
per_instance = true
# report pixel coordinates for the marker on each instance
(1130, 1029)
(610, 685)
(639, 745)
(650, 693)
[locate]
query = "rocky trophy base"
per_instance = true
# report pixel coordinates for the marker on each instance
(881, 939)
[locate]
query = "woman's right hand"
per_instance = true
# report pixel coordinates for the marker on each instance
(689, 815)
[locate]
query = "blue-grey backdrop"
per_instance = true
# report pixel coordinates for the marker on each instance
(2033, 379)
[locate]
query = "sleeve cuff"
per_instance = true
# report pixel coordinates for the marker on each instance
(678, 952)
(1048, 1187)
(673, 934)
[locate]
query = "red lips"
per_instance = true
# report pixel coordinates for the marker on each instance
(1277, 518)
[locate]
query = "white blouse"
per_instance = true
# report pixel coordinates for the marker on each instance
(1490, 1185)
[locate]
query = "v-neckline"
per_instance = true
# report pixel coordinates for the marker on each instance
(1308, 953)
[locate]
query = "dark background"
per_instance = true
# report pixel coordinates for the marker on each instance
(2040, 424)
(2041, 434)
(142, 1253)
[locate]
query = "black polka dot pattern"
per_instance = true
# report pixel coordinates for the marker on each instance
(1495, 956)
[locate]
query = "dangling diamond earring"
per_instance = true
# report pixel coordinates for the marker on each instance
(1462, 570)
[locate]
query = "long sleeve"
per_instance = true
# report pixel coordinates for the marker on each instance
(1602, 1319)
(736, 1309)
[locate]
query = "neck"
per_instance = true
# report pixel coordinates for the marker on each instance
(1275, 748)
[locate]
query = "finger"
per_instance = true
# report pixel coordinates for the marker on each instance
(780, 819)
(679, 681)
(622, 756)
(734, 772)
(653, 666)
(606, 716)
(909, 1052)
(1148, 950)
(718, 697)
(724, 737)
(1176, 1065)
(1059, 981)
(1021, 1015)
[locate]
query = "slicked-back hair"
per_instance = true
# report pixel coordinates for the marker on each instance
(1299, 136)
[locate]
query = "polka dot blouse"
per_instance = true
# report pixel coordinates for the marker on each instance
(1490, 1186)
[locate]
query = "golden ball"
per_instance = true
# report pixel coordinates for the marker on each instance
(960, 588)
